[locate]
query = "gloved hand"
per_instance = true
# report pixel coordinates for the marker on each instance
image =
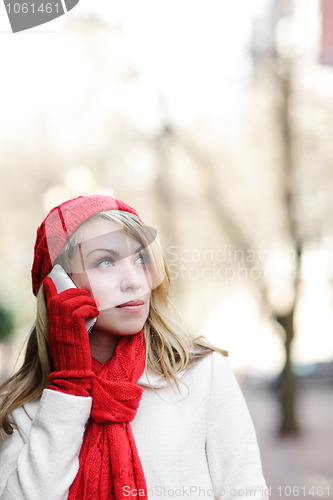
(68, 338)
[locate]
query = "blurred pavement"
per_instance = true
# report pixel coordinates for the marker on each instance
(296, 467)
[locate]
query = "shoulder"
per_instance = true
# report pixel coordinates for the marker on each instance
(197, 375)
(210, 365)
(27, 412)
(20, 419)
(49, 409)
(213, 376)
(210, 373)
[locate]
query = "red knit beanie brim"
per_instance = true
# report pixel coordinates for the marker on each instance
(60, 224)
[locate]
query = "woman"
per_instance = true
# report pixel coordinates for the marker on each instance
(134, 408)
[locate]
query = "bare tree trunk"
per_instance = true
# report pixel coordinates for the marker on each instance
(288, 395)
(287, 388)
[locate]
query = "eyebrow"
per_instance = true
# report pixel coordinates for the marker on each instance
(112, 252)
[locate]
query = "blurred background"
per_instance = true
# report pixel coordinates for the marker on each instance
(214, 119)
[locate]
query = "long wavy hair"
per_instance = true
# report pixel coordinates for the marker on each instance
(170, 348)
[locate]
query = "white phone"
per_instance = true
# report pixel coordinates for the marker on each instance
(62, 282)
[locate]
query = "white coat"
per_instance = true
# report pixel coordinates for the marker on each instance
(200, 445)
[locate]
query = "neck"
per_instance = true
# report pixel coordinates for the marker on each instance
(102, 344)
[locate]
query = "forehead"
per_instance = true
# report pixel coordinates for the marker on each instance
(102, 233)
(99, 227)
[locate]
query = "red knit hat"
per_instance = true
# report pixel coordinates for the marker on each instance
(60, 224)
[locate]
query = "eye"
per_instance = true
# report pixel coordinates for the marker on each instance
(142, 258)
(105, 262)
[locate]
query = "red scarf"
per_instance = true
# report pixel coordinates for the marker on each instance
(109, 460)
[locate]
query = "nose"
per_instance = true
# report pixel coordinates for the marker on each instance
(130, 279)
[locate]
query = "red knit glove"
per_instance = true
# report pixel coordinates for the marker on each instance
(68, 338)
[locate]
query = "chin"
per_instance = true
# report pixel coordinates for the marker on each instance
(124, 329)
(111, 323)
(125, 332)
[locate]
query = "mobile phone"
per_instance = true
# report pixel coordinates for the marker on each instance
(62, 281)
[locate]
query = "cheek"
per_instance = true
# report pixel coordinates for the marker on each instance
(81, 280)
(102, 287)
(145, 277)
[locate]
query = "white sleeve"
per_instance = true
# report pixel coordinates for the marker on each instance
(41, 461)
(232, 449)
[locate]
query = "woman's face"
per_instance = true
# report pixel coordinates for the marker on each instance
(114, 267)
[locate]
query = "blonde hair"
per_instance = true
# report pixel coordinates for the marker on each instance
(170, 348)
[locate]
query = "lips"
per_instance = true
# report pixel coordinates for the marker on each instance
(132, 306)
(131, 303)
